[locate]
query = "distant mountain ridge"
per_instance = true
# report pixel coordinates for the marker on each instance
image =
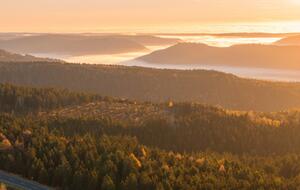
(290, 41)
(247, 55)
(230, 34)
(13, 57)
(73, 44)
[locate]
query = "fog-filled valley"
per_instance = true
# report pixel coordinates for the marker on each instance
(250, 55)
(149, 111)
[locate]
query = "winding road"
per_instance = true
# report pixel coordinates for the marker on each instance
(20, 183)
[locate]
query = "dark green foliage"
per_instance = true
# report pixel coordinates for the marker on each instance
(187, 127)
(172, 146)
(95, 161)
(25, 100)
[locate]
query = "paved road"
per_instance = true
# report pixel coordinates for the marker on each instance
(20, 183)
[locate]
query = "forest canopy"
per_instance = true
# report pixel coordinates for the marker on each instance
(190, 146)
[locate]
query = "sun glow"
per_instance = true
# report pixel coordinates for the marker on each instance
(295, 1)
(72, 15)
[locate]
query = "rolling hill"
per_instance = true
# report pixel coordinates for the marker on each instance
(158, 85)
(87, 143)
(289, 41)
(175, 126)
(6, 56)
(72, 44)
(249, 55)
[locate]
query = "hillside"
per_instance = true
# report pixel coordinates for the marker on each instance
(185, 127)
(71, 44)
(209, 87)
(91, 160)
(174, 146)
(144, 120)
(22, 100)
(98, 143)
(289, 41)
(13, 57)
(175, 126)
(149, 40)
(122, 111)
(252, 55)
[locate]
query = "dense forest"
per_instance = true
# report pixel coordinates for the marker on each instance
(89, 160)
(31, 100)
(187, 127)
(83, 141)
(156, 85)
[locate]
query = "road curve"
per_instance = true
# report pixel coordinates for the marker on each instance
(20, 183)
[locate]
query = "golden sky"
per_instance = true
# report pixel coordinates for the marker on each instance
(93, 15)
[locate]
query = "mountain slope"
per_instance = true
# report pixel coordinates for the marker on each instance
(20, 100)
(184, 146)
(209, 87)
(149, 40)
(252, 55)
(92, 160)
(291, 41)
(71, 44)
(13, 57)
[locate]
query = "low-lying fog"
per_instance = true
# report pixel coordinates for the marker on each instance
(127, 58)
(245, 72)
(122, 57)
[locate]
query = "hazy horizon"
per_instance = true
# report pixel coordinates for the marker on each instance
(213, 16)
(135, 17)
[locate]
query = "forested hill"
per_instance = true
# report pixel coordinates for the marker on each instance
(158, 85)
(183, 127)
(91, 160)
(178, 146)
(22, 100)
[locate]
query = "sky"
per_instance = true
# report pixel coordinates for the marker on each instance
(131, 15)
